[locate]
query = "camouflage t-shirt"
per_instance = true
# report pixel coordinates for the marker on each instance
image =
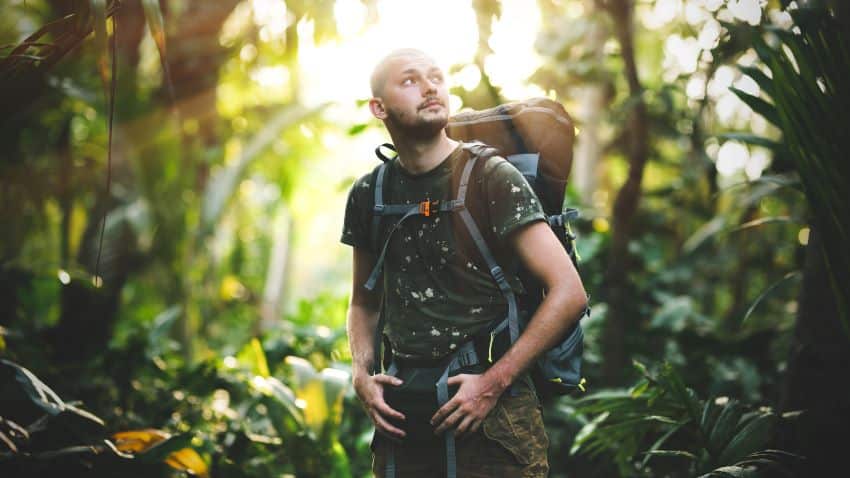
(438, 292)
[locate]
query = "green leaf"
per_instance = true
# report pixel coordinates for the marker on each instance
(642, 369)
(760, 106)
(767, 292)
(357, 129)
(261, 364)
(680, 391)
(587, 432)
(724, 427)
(36, 390)
(678, 453)
(161, 328)
(754, 436)
(653, 450)
(761, 79)
(336, 383)
(704, 233)
(752, 139)
(221, 187)
(639, 389)
(763, 220)
(732, 472)
(710, 412)
(284, 396)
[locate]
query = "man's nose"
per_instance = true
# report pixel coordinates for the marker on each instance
(428, 87)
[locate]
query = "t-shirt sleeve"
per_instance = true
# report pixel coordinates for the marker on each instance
(512, 201)
(358, 218)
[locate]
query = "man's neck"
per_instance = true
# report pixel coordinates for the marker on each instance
(418, 156)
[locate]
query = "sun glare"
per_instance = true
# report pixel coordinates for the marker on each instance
(339, 70)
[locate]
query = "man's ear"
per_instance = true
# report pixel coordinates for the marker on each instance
(376, 106)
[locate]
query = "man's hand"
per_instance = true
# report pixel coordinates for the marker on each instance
(370, 390)
(472, 403)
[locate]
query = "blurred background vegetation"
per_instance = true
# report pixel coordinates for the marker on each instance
(172, 182)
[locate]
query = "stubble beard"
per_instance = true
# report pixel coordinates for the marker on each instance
(421, 124)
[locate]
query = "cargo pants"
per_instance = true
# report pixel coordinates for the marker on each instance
(511, 443)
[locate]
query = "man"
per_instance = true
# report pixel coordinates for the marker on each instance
(436, 295)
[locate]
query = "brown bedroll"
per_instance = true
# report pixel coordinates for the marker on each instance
(536, 125)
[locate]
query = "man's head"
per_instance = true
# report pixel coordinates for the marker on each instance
(409, 94)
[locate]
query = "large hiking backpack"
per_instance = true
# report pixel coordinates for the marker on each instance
(536, 136)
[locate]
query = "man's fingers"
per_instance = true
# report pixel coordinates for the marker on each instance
(476, 426)
(386, 427)
(465, 426)
(384, 409)
(443, 412)
(457, 379)
(450, 421)
(384, 379)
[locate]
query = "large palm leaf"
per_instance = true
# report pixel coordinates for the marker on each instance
(809, 101)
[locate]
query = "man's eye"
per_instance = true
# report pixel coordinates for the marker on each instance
(407, 81)
(437, 79)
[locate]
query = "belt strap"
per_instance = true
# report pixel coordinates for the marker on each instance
(390, 469)
(464, 356)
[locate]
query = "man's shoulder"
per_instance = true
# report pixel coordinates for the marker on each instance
(360, 194)
(497, 167)
(363, 184)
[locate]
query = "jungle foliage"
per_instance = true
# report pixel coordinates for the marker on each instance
(164, 165)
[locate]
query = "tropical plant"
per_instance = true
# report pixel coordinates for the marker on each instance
(805, 94)
(810, 103)
(660, 427)
(41, 434)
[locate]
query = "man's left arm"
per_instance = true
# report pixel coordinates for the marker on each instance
(565, 301)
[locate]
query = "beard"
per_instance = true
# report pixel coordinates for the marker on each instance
(421, 123)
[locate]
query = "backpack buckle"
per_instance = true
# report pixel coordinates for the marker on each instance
(426, 209)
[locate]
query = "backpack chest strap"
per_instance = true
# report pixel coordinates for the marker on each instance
(426, 208)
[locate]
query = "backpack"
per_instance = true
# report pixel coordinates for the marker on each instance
(536, 136)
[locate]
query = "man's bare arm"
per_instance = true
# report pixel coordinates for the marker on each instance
(361, 323)
(362, 315)
(566, 299)
(543, 255)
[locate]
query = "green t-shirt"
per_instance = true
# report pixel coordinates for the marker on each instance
(438, 290)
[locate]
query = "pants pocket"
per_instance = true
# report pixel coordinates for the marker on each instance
(517, 425)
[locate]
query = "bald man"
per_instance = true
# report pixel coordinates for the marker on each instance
(437, 296)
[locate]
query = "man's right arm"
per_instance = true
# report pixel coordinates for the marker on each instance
(361, 323)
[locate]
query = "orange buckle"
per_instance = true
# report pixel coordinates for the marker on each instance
(425, 208)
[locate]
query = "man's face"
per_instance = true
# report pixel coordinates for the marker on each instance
(415, 96)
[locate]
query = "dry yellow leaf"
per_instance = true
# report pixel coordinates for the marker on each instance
(135, 441)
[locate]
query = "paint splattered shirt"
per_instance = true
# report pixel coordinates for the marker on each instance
(438, 292)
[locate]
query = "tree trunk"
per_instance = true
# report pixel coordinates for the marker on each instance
(88, 314)
(274, 294)
(618, 325)
(592, 102)
(194, 58)
(816, 378)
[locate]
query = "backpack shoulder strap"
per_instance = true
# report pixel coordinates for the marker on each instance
(378, 178)
(483, 152)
